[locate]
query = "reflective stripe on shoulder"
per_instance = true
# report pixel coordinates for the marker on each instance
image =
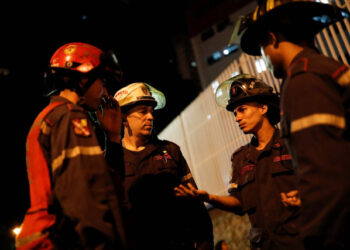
(29, 239)
(317, 119)
(74, 152)
(344, 79)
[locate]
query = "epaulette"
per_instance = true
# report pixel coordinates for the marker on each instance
(319, 64)
(237, 151)
(297, 67)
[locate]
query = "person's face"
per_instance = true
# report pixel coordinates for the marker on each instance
(271, 55)
(139, 120)
(94, 94)
(249, 116)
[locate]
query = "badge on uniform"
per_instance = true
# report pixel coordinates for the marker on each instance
(80, 126)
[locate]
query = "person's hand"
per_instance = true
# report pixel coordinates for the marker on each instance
(189, 191)
(291, 199)
(111, 119)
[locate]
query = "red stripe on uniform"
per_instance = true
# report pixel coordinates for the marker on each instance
(282, 158)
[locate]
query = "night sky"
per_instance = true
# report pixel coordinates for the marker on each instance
(141, 34)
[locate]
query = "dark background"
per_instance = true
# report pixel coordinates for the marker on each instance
(142, 35)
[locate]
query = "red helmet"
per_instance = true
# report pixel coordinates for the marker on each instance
(80, 57)
(77, 59)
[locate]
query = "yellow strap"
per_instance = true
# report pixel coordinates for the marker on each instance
(317, 119)
(28, 239)
(74, 152)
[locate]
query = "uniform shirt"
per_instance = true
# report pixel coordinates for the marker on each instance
(83, 194)
(259, 176)
(316, 114)
(157, 218)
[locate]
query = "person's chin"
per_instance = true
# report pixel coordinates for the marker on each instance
(245, 130)
(147, 132)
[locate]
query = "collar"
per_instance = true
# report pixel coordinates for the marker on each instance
(69, 104)
(274, 143)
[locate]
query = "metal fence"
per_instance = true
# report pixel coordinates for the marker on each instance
(207, 133)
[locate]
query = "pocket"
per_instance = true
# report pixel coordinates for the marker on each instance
(130, 170)
(247, 188)
(163, 163)
(282, 164)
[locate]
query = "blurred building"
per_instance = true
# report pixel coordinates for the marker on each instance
(209, 27)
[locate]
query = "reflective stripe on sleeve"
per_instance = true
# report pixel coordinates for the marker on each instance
(29, 239)
(317, 119)
(344, 80)
(232, 187)
(74, 152)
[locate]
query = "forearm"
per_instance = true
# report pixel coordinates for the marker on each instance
(227, 203)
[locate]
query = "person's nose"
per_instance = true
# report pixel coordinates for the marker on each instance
(238, 118)
(150, 116)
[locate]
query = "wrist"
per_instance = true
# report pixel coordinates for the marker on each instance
(114, 137)
(208, 198)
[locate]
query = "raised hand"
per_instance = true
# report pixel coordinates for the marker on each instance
(189, 191)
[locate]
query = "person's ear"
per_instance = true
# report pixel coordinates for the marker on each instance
(124, 120)
(264, 109)
(274, 39)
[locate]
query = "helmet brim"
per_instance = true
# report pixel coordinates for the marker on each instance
(302, 10)
(271, 100)
(143, 101)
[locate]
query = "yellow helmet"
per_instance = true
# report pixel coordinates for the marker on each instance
(139, 92)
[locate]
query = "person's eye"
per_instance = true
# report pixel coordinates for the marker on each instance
(241, 109)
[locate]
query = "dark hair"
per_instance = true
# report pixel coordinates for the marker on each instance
(294, 29)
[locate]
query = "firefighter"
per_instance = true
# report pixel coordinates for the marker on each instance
(153, 167)
(263, 183)
(315, 103)
(73, 201)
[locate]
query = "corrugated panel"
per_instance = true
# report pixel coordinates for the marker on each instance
(208, 135)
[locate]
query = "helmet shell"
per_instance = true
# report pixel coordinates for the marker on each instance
(315, 15)
(80, 57)
(140, 92)
(245, 88)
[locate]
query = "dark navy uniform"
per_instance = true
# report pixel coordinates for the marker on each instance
(259, 176)
(316, 116)
(83, 194)
(157, 219)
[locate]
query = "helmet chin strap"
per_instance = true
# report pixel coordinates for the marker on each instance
(82, 87)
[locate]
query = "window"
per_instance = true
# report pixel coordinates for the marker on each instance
(222, 25)
(207, 34)
(216, 56)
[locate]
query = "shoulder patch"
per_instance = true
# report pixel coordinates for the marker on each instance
(45, 127)
(80, 126)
